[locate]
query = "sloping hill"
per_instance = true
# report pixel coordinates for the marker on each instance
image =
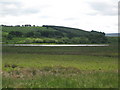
(24, 29)
(69, 31)
(50, 34)
(64, 30)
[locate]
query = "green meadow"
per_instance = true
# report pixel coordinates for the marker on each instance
(60, 67)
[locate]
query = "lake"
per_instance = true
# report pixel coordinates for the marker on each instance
(57, 45)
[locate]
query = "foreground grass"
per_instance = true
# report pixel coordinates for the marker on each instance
(79, 61)
(63, 80)
(60, 67)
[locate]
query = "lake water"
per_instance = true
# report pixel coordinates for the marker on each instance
(57, 45)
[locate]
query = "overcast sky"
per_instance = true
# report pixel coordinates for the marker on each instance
(99, 15)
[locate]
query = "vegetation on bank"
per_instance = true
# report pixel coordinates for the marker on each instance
(51, 34)
(60, 67)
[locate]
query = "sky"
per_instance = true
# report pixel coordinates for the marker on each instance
(98, 15)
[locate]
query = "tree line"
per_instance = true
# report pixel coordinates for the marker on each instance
(57, 37)
(53, 34)
(26, 25)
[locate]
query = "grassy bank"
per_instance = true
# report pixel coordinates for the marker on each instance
(60, 67)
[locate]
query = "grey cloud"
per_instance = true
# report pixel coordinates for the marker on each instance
(6, 2)
(104, 8)
(45, 17)
(17, 9)
(70, 19)
(29, 11)
(92, 14)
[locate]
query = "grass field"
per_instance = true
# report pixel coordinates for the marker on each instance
(23, 29)
(60, 67)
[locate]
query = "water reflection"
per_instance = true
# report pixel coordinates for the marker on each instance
(55, 45)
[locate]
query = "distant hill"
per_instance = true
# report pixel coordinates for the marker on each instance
(70, 32)
(50, 34)
(112, 34)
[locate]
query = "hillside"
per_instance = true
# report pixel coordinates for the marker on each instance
(50, 34)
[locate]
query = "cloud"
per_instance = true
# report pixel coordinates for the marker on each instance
(7, 2)
(16, 8)
(89, 15)
(70, 19)
(104, 8)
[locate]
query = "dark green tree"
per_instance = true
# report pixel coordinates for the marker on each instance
(16, 33)
(29, 34)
